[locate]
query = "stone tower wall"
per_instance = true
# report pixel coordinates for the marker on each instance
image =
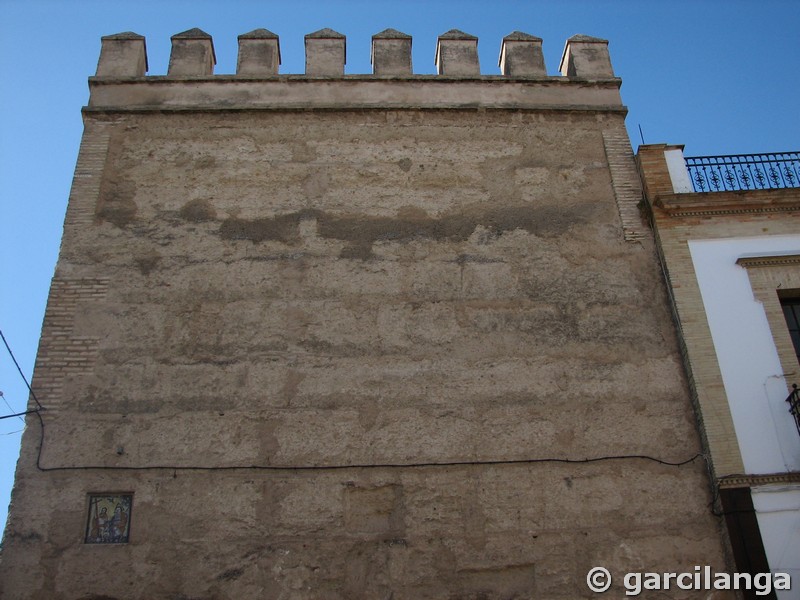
(379, 336)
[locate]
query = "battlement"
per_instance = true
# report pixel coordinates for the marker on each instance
(125, 55)
(586, 79)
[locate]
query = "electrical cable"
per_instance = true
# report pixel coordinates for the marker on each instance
(339, 467)
(19, 414)
(2, 395)
(331, 467)
(11, 354)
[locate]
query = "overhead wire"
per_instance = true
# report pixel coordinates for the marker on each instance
(3, 396)
(25, 379)
(19, 414)
(338, 467)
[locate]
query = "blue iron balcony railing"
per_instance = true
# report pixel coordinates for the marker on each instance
(739, 172)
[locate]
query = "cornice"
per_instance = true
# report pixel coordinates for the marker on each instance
(291, 92)
(738, 481)
(769, 261)
(704, 204)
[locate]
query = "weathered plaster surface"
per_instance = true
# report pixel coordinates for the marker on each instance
(363, 291)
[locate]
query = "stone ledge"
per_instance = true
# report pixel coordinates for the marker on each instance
(387, 92)
(556, 79)
(729, 203)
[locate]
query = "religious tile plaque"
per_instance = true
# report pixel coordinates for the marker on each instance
(109, 520)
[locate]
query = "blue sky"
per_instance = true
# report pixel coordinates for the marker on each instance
(718, 76)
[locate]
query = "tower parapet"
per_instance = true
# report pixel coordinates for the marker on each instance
(192, 54)
(124, 55)
(586, 82)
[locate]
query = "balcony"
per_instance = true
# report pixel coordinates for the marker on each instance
(738, 184)
(742, 172)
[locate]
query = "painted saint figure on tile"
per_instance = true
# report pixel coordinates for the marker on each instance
(109, 519)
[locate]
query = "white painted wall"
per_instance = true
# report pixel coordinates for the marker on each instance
(754, 383)
(678, 173)
(778, 511)
(748, 359)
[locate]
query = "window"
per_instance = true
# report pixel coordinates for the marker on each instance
(791, 311)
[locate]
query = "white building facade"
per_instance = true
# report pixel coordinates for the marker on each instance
(729, 236)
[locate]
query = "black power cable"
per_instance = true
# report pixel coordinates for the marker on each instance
(27, 412)
(11, 354)
(338, 467)
(418, 465)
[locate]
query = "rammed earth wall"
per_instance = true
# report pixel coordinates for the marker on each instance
(351, 351)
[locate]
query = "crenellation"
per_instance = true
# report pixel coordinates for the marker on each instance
(326, 53)
(457, 54)
(122, 55)
(521, 56)
(586, 56)
(391, 53)
(259, 55)
(192, 54)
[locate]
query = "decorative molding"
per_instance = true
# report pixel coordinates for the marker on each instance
(703, 204)
(769, 261)
(737, 481)
(678, 212)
